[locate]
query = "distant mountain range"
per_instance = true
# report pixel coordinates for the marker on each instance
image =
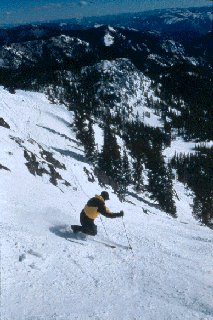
(164, 20)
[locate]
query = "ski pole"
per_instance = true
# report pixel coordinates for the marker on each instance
(104, 227)
(126, 234)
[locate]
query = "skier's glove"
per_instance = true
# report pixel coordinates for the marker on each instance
(116, 215)
(121, 213)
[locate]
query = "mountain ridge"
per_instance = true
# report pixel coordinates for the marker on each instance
(113, 19)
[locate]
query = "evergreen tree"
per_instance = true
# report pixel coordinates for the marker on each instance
(138, 173)
(160, 184)
(125, 176)
(110, 157)
(85, 133)
(89, 142)
(195, 170)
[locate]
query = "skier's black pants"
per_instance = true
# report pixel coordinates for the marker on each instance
(88, 225)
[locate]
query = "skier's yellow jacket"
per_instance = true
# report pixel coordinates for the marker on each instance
(95, 206)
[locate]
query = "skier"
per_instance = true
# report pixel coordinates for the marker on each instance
(91, 211)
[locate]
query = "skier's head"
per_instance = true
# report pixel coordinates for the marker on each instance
(105, 195)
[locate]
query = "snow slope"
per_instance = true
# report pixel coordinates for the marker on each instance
(168, 275)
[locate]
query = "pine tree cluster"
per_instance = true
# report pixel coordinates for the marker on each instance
(196, 171)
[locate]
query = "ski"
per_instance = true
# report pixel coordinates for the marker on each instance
(76, 241)
(84, 240)
(112, 246)
(81, 238)
(94, 240)
(78, 237)
(115, 244)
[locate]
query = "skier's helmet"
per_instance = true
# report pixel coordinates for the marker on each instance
(105, 195)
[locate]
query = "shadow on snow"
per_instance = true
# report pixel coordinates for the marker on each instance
(63, 231)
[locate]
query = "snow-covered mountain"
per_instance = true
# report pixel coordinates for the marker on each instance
(32, 53)
(45, 180)
(148, 88)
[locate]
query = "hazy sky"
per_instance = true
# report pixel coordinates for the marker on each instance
(21, 11)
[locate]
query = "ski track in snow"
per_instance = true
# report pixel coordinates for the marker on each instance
(168, 275)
